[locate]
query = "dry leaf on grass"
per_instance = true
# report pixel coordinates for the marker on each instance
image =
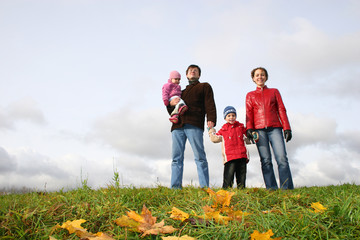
(82, 233)
(185, 237)
(256, 235)
(144, 223)
(318, 207)
(177, 214)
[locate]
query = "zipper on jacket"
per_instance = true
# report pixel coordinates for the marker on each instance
(262, 97)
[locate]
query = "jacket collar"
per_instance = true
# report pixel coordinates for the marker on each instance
(228, 125)
(259, 88)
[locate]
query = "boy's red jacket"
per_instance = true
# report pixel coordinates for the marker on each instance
(265, 108)
(232, 138)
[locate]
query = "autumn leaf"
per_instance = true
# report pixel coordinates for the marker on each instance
(238, 215)
(125, 221)
(318, 207)
(256, 235)
(222, 197)
(74, 226)
(185, 237)
(144, 223)
(177, 214)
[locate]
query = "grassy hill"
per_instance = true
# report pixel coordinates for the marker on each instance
(331, 212)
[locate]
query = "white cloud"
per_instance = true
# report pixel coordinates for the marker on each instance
(308, 50)
(142, 133)
(24, 109)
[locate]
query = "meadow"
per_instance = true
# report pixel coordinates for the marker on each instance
(117, 212)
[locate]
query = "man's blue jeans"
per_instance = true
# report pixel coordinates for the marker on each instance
(195, 136)
(274, 136)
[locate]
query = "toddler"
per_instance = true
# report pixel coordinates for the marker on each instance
(172, 90)
(235, 155)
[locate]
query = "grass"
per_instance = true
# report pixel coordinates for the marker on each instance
(287, 213)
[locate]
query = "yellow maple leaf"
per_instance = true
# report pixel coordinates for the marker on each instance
(135, 216)
(238, 215)
(144, 223)
(177, 214)
(256, 235)
(318, 207)
(155, 229)
(74, 226)
(185, 237)
(125, 221)
(222, 197)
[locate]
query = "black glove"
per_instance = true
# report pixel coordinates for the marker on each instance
(249, 135)
(287, 135)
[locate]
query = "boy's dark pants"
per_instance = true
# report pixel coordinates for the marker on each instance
(235, 167)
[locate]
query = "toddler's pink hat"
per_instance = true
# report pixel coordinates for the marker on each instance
(174, 74)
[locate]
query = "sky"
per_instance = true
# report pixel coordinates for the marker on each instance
(80, 86)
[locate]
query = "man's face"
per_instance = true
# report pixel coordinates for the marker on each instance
(193, 74)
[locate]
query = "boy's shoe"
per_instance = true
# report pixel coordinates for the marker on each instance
(182, 109)
(174, 118)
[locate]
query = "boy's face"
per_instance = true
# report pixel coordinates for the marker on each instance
(230, 118)
(259, 78)
(175, 80)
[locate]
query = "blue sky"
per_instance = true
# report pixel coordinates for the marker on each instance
(80, 93)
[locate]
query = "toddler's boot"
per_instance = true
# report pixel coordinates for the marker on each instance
(174, 118)
(182, 109)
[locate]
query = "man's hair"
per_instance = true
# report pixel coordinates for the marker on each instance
(193, 66)
(261, 68)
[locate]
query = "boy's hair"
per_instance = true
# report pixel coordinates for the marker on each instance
(193, 66)
(261, 68)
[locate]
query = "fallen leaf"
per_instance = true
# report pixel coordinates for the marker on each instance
(144, 223)
(185, 237)
(222, 197)
(256, 235)
(318, 207)
(177, 214)
(74, 226)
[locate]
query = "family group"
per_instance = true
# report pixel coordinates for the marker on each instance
(267, 126)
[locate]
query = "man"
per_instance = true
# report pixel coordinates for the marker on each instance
(199, 98)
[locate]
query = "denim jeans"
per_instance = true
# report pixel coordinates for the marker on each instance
(179, 137)
(274, 136)
(235, 167)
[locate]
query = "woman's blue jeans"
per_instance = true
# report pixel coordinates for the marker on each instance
(195, 137)
(274, 136)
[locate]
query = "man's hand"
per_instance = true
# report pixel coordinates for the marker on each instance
(210, 124)
(174, 101)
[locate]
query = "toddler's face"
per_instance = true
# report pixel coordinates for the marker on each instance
(175, 80)
(230, 118)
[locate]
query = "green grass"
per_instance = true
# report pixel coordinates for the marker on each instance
(289, 213)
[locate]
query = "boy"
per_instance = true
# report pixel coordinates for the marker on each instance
(234, 152)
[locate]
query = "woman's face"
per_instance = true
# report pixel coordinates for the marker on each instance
(259, 78)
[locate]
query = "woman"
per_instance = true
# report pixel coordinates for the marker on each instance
(266, 114)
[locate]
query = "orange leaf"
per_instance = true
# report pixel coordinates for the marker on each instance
(144, 223)
(155, 229)
(318, 207)
(125, 221)
(221, 197)
(146, 214)
(136, 217)
(185, 237)
(74, 226)
(177, 214)
(256, 235)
